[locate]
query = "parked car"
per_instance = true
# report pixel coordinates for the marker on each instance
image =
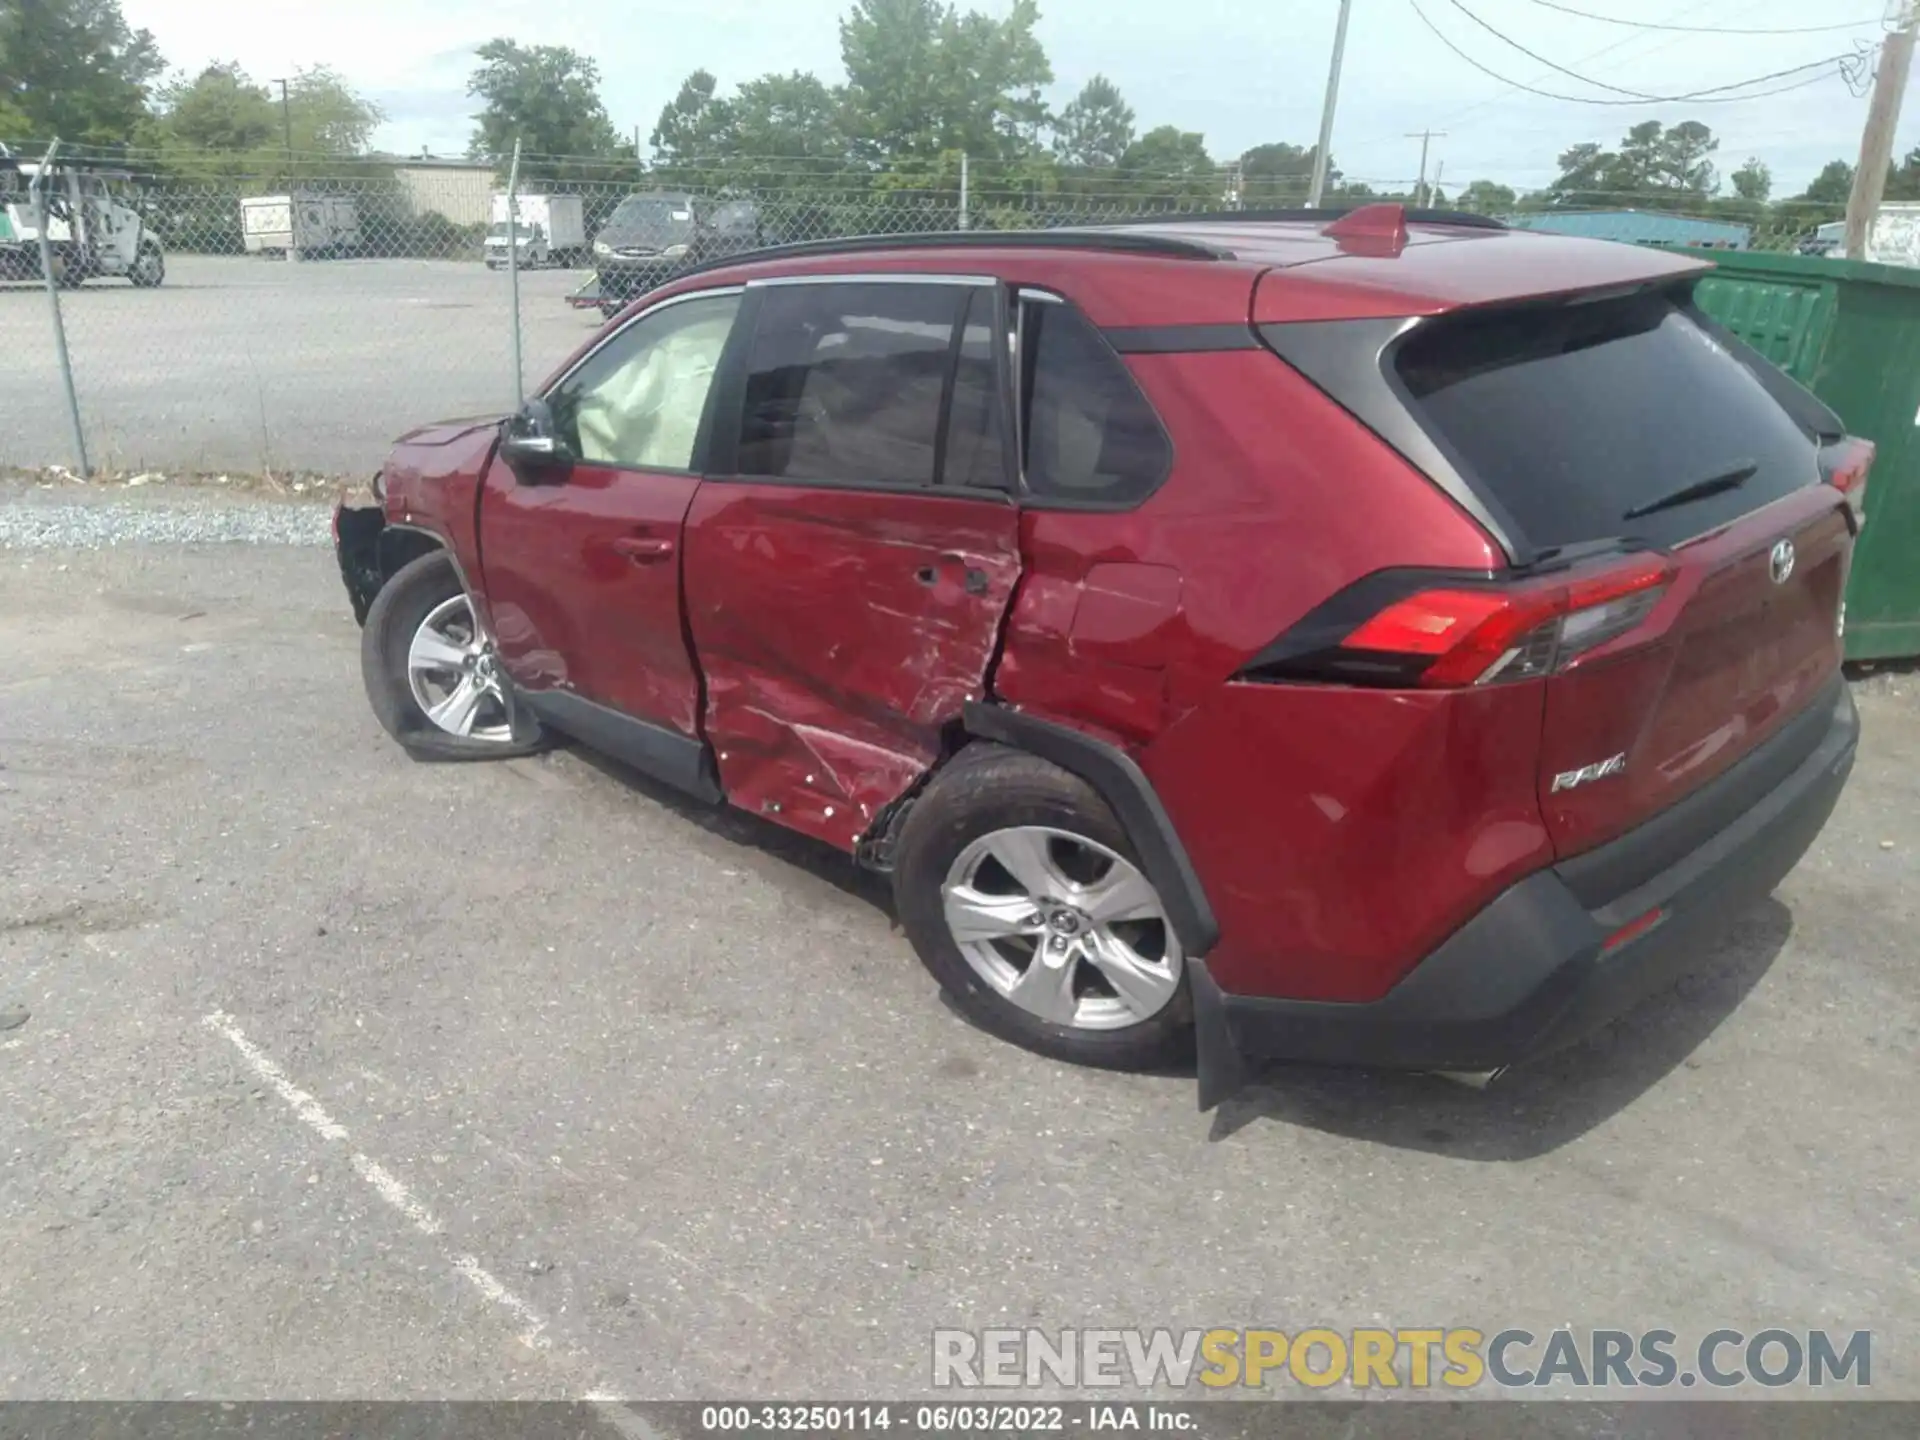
(1377, 640)
(649, 238)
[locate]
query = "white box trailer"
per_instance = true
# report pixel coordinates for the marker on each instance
(552, 230)
(1892, 239)
(308, 224)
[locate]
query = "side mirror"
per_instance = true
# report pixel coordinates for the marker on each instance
(532, 449)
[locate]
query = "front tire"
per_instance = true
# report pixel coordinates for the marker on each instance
(149, 268)
(431, 673)
(1023, 896)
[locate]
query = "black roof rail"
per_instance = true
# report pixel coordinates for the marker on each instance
(1059, 239)
(1326, 213)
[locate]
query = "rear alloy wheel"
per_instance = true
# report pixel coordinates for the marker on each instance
(431, 673)
(1062, 927)
(1024, 898)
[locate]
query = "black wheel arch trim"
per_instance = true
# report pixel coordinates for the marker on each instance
(1124, 786)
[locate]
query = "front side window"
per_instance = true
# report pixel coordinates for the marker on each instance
(1090, 435)
(637, 401)
(845, 383)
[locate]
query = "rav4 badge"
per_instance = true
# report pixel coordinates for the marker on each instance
(1586, 774)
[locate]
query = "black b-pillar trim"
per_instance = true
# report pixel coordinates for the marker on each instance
(1128, 792)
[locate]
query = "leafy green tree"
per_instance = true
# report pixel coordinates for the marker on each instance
(547, 97)
(1585, 170)
(1095, 128)
(924, 79)
(1279, 175)
(73, 69)
(1682, 159)
(792, 117)
(1903, 180)
(1672, 160)
(220, 109)
(1170, 167)
(1486, 197)
(690, 131)
(1831, 186)
(327, 116)
(1753, 181)
(780, 131)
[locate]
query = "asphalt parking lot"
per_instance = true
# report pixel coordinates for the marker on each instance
(250, 364)
(345, 1076)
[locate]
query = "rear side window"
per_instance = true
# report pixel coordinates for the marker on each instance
(845, 382)
(1579, 420)
(1090, 435)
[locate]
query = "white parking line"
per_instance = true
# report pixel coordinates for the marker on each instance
(532, 1324)
(304, 1105)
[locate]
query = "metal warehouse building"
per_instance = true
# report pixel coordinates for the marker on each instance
(1640, 227)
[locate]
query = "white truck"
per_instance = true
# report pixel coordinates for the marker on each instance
(552, 230)
(91, 231)
(299, 225)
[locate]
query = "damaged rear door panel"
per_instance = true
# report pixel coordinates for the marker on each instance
(849, 570)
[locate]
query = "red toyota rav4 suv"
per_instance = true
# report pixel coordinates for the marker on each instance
(1387, 638)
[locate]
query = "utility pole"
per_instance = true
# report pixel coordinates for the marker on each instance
(1876, 141)
(1319, 185)
(293, 197)
(1425, 137)
(286, 122)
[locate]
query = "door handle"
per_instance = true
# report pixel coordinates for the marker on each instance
(643, 549)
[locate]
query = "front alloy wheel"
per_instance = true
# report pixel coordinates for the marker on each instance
(1063, 927)
(455, 676)
(432, 675)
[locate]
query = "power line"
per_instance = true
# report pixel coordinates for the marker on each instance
(1551, 65)
(1709, 96)
(1505, 97)
(1618, 90)
(1709, 29)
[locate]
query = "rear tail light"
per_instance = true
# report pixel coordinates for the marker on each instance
(1448, 637)
(1844, 465)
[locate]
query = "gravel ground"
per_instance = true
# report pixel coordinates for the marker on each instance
(82, 517)
(344, 1076)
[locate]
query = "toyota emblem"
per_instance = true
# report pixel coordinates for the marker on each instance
(1780, 562)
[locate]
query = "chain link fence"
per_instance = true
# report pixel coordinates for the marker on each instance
(297, 327)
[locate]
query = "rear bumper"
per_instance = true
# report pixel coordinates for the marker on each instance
(1531, 972)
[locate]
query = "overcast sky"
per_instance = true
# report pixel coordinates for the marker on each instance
(1239, 71)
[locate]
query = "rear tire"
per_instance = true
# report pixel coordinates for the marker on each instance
(1113, 991)
(415, 649)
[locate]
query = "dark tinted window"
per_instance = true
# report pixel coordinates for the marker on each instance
(974, 453)
(845, 382)
(1573, 416)
(1090, 434)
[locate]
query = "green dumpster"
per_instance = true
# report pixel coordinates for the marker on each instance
(1850, 332)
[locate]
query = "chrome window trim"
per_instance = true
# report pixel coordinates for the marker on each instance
(885, 277)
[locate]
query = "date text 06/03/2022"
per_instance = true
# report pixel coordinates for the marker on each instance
(939, 1419)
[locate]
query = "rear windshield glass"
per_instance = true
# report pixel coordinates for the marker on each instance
(1578, 416)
